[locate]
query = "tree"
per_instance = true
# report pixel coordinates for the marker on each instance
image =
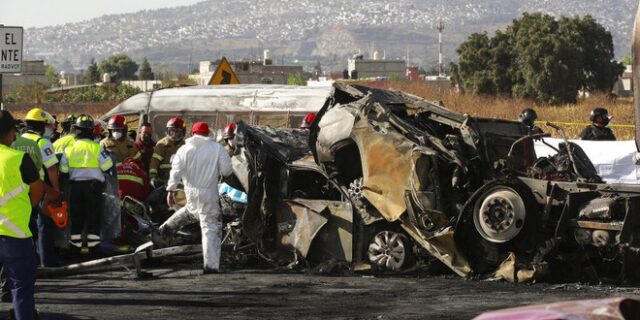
(93, 75)
(145, 71)
(599, 69)
(548, 61)
(538, 57)
(472, 70)
(295, 79)
(627, 60)
(53, 79)
(120, 67)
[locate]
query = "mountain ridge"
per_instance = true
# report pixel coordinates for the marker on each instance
(301, 31)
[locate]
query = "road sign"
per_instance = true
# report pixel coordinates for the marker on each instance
(224, 74)
(10, 49)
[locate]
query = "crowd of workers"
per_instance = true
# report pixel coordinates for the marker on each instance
(43, 171)
(598, 130)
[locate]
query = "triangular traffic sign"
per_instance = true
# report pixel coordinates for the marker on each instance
(224, 74)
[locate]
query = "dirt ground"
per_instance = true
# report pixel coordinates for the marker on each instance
(182, 292)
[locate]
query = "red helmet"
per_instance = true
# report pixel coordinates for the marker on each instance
(176, 122)
(97, 128)
(229, 131)
(116, 122)
(308, 120)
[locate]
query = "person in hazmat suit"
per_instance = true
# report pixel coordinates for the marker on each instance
(199, 164)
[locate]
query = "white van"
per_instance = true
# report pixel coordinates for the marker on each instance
(274, 105)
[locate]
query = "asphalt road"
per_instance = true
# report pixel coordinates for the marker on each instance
(184, 293)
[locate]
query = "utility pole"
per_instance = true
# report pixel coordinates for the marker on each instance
(1, 96)
(440, 28)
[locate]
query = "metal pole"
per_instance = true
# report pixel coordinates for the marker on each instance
(1, 96)
(440, 28)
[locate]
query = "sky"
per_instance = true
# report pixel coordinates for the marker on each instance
(40, 13)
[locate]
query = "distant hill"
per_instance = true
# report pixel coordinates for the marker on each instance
(301, 31)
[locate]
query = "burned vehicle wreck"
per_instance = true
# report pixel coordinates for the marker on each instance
(294, 213)
(423, 181)
(384, 179)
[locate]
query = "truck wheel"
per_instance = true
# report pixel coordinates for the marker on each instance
(500, 215)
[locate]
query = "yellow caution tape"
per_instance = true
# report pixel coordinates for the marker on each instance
(585, 124)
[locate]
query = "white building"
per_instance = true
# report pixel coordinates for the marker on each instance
(376, 68)
(144, 85)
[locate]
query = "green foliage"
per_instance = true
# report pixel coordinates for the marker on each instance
(599, 70)
(145, 70)
(295, 79)
(124, 92)
(95, 94)
(474, 65)
(627, 60)
(52, 76)
(93, 75)
(36, 93)
(26, 93)
(120, 67)
(395, 78)
(539, 57)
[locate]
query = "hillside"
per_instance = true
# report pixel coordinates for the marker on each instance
(303, 31)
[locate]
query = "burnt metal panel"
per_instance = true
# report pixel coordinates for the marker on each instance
(299, 222)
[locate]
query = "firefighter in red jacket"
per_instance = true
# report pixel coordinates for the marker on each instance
(145, 145)
(132, 180)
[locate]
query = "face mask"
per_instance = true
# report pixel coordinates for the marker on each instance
(48, 132)
(116, 135)
(146, 138)
(176, 136)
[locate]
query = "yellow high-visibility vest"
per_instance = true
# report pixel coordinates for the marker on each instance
(15, 204)
(61, 144)
(83, 153)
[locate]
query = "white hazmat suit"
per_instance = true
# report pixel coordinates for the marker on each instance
(198, 165)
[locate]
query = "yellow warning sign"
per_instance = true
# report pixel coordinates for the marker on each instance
(224, 74)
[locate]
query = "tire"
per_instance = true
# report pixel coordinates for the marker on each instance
(503, 219)
(390, 251)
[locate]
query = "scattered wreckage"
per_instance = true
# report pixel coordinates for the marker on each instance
(393, 178)
(384, 179)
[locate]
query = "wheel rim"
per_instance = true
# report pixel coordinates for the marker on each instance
(501, 216)
(387, 250)
(356, 189)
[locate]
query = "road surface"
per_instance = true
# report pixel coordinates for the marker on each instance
(182, 292)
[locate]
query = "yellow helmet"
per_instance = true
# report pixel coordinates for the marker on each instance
(36, 114)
